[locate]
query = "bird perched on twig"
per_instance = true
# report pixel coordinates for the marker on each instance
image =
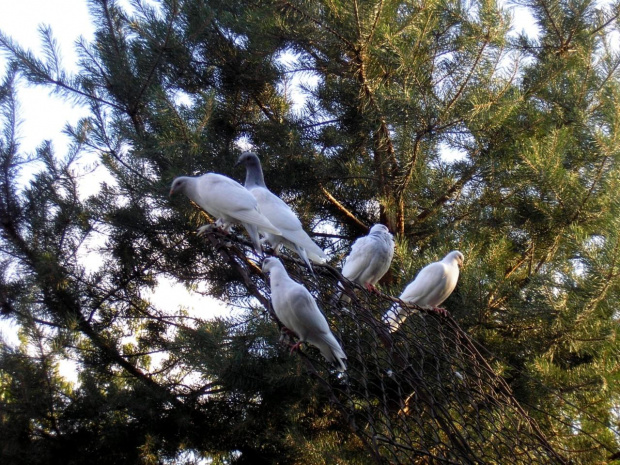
(298, 312)
(228, 201)
(370, 258)
(433, 284)
(280, 214)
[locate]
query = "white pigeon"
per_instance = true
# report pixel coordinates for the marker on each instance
(228, 201)
(297, 311)
(280, 214)
(433, 284)
(370, 258)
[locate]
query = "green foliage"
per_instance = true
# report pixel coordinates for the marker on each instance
(172, 88)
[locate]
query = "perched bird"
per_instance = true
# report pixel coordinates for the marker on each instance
(280, 214)
(228, 201)
(297, 310)
(433, 284)
(370, 258)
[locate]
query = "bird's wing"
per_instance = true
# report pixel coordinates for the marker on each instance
(298, 311)
(369, 260)
(283, 218)
(232, 199)
(427, 285)
(387, 254)
(359, 258)
(274, 208)
(305, 316)
(433, 284)
(312, 327)
(283, 291)
(330, 348)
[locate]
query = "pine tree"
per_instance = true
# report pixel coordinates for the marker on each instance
(173, 88)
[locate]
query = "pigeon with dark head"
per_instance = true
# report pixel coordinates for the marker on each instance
(280, 214)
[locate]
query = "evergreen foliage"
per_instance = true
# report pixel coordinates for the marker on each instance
(530, 196)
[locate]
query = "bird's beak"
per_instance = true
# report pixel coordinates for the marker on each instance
(171, 192)
(236, 164)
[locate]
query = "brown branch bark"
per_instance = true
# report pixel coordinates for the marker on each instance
(447, 196)
(342, 209)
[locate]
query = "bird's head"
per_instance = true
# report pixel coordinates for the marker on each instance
(178, 185)
(248, 159)
(458, 256)
(379, 228)
(269, 263)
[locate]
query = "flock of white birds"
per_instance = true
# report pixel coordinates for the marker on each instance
(263, 213)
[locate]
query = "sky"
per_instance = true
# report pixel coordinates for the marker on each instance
(44, 115)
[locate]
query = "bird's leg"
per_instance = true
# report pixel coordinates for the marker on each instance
(285, 331)
(371, 288)
(277, 249)
(205, 228)
(441, 311)
(223, 226)
(287, 336)
(297, 346)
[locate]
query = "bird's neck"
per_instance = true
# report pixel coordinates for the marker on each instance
(254, 176)
(190, 187)
(382, 237)
(278, 275)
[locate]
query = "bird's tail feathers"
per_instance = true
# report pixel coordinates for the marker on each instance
(269, 228)
(341, 366)
(317, 255)
(253, 233)
(394, 317)
(304, 256)
(332, 351)
(342, 296)
(314, 252)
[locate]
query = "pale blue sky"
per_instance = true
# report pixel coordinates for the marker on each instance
(42, 115)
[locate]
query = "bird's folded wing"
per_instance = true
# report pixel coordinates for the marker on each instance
(283, 218)
(306, 316)
(274, 208)
(230, 197)
(429, 282)
(358, 259)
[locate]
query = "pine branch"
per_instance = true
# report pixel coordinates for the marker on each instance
(595, 182)
(342, 209)
(156, 63)
(373, 29)
(319, 23)
(604, 25)
(438, 202)
(36, 73)
(470, 73)
(543, 4)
